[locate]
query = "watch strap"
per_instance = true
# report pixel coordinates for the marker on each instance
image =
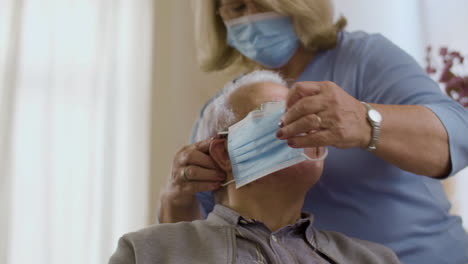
(375, 133)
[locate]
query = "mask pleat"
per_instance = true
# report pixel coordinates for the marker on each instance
(265, 144)
(254, 149)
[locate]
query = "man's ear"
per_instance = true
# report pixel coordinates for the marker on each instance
(220, 154)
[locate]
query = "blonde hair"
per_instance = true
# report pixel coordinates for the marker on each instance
(313, 23)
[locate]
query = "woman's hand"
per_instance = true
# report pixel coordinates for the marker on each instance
(412, 137)
(193, 171)
(323, 114)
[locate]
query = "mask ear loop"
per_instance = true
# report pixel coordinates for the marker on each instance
(325, 154)
(224, 134)
(227, 183)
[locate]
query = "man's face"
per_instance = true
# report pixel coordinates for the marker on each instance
(251, 97)
(248, 98)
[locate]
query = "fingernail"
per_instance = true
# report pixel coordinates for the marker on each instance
(280, 124)
(290, 143)
(279, 134)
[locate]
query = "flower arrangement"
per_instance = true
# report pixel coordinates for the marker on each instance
(452, 73)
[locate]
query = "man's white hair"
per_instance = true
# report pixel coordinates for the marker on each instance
(218, 115)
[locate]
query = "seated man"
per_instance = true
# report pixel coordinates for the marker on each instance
(259, 219)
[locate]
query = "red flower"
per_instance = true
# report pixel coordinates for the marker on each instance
(455, 86)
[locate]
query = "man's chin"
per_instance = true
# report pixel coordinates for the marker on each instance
(306, 173)
(285, 177)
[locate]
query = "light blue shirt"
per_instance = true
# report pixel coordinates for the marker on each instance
(365, 197)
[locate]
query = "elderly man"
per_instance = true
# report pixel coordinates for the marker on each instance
(259, 219)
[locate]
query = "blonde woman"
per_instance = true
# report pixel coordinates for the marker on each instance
(392, 134)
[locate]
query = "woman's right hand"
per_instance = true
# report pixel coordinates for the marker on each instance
(193, 171)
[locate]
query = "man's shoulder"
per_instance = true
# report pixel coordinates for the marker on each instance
(183, 242)
(195, 230)
(347, 248)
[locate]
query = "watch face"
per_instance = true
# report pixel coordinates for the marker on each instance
(375, 116)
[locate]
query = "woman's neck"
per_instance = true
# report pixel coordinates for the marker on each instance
(297, 64)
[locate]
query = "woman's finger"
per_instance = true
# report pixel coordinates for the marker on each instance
(300, 90)
(306, 124)
(304, 107)
(317, 139)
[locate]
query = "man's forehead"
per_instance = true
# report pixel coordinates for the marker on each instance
(250, 97)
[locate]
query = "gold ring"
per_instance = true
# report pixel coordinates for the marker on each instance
(184, 176)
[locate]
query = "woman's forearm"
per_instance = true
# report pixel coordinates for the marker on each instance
(322, 114)
(414, 139)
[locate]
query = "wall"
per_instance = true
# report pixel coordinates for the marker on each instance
(446, 23)
(398, 20)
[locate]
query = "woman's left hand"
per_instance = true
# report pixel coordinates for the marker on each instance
(323, 114)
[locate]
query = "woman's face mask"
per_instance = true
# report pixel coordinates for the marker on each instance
(267, 38)
(254, 149)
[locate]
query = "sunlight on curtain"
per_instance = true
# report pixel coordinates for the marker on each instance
(7, 62)
(79, 139)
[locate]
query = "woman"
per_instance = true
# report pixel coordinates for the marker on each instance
(392, 133)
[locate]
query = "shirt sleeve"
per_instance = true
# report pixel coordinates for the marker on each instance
(390, 76)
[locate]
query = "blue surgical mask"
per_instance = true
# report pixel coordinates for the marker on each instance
(254, 149)
(267, 38)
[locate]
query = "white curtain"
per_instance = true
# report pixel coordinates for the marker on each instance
(413, 25)
(74, 127)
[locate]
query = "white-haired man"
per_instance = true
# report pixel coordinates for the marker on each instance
(258, 220)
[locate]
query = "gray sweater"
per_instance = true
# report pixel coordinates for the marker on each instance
(214, 241)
